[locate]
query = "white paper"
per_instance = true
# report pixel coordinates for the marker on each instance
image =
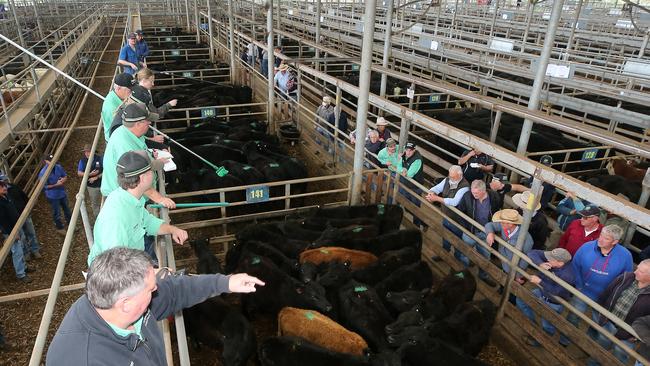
(434, 45)
(169, 165)
(410, 93)
(558, 71)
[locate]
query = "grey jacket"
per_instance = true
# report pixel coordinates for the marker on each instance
(495, 227)
(84, 338)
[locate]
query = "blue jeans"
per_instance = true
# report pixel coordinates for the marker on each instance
(455, 230)
(30, 241)
(575, 320)
(413, 199)
(57, 204)
(617, 351)
(546, 325)
(479, 248)
(264, 67)
(150, 247)
(17, 257)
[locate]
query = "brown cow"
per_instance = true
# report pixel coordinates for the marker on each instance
(320, 330)
(626, 169)
(358, 259)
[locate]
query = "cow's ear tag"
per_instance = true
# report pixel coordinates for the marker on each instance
(247, 167)
(256, 260)
(357, 229)
(460, 275)
(360, 289)
(325, 251)
(274, 165)
(380, 209)
(309, 315)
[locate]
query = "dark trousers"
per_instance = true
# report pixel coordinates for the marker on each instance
(150, 247)
(455, 230)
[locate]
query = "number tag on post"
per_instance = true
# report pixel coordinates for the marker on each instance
(355, 67)
(168, 39)
(257, 194)
(589, 154)
(434, 98)
(176, 52)
(188, 74)
(410, 93)
(208, 112)
(163, 29)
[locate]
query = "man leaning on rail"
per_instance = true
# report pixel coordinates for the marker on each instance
(114, 323)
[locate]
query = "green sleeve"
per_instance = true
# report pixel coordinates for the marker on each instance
(152, 223)
(383, 156)
(107, 236)
(414, 168)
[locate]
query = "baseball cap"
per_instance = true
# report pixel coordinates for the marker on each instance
(546, 160)
(391, 142)
(139, 32)
(589, 211)
(137, 112)
(131, 36)
(410, 145)
(136, 162)
(124, 80)
(140, 95)
(48, 157)
(558, 254)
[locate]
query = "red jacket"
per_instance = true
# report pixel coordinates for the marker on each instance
(574, 237)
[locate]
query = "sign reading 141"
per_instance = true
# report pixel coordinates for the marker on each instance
(257, 194)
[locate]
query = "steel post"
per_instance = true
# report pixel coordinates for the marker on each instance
(530, 9)
(533, 102)
(364, 92)
(387, 46)
(88, 228)
(278, 24)
(187, 15)
(644, 44)
(494, 18)
(196, 21)
(231, 37)
(536, 190)
(12, 4)
(405, 126)
(41, 34)
(495, 126)
(270, 64)
(318, 14)
(569, 43)
(210, 31)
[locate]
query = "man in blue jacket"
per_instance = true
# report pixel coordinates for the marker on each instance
(556, 261)
(141, 47)
(55, 192)
(114, 323)
(128, 57)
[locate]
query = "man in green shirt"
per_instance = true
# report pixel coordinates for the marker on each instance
(128, 137)
(121, 90)
(123, 220)
(389, 156)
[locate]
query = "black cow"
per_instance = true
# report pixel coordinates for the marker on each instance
(387, 263)
(409, 318)
(455, 289)
(207, 262)
(390, 216)
(383, 243)
(290, 266)
(406, 300)
(333, 236)
(416, 276)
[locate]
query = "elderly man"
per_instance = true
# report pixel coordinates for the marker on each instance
(94, 178)
(558, 262)
(382, 131)
(581, 231)
(373, 147)
(121, 90)
(597, 263)
(115, 321)
(538, 228)
(141, 47)
(507, 223)
(55, 192)
(642, 328)
(124, 221)
(628, 298)
(448, 193)
(285, 81)
(324, 111)
(479, 204)
(475, 164)
(128, 57)
(128, 137)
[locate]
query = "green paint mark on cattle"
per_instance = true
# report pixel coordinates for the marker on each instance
(360, 289)
(274, 165)
(460, 275)
(247, 167)
(357, 229)
(253, 124)
(309, 315)
(256, 260)
(324, 251)
(380, 209)
(226, 141)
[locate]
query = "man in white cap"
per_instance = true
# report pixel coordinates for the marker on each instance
(507, 224)
(538, 228)
(558, 262)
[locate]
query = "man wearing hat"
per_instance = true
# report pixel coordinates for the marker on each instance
(389, 156)
(285, 80)
(538, 228)
(558, 262)
(324, 111)
(141, 47)
(128, 137)
(8, 218)
(94, 178)
(507, 224)
(55, 192)
(475, 164)
(128, 57)
(382, 131)
(140, 95)
(18, 197)
(412, 163)
(581, 231)
(124, 220)
(121, 90)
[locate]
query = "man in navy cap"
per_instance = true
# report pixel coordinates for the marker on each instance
(121, 90)
(129, 56)
(55, 192)
(141, 47)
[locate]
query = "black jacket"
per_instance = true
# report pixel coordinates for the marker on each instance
(84, 338)
(642, 328)
(466, 206)
(18, 197)
(612, 293)
(8, 214)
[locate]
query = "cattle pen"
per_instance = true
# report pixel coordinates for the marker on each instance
(518, 81)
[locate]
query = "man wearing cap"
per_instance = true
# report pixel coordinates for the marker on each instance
(121, 90)
(129, 137)
(628, 298)
(141, 47)
(389, 156)
(596, 264)
(55, 192)
(582, 231)
(475, 164)
(94, 178)
(8, 218)
(538, 228)
(558, 262)
(507, 223)
(140, 95)
(412, 163)
(123, 220)
(449, 193)
(31, 245)
(479, 204)
(128, 57)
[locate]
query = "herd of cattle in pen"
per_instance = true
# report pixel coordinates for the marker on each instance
(346, 286)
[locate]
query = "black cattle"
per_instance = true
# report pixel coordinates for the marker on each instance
(290, 266)
(427, 351)
(320, 224)
(383, 243)
(405, 300)
(615, 184)
(294, 351)
(333, 236)
(454, 290)
(246, 173)
(409, 318)
(416, 276)
(332, 275)
(215, 324)
(362, 311)
(387, 263)
(205, 179)
(294, 230)
(207, 262)
(390, 216)
(308, 271)
(281, 289)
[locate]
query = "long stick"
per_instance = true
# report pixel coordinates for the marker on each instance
(203, 204)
